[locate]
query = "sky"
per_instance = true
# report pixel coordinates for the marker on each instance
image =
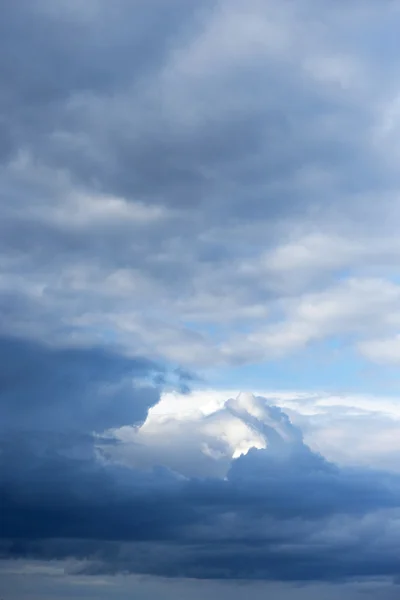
(199, 299)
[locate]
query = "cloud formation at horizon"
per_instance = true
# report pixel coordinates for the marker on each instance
(282, 511)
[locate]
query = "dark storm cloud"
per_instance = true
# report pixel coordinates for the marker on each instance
(71, 389)
(56, 402)
(63, 497)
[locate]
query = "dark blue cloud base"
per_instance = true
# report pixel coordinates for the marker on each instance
(279, 514)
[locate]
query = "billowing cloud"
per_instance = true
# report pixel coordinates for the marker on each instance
(348, 429)
(282, 512)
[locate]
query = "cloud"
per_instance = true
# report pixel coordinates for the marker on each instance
(202, 185)
(349, 429)
(354, 306)
(39, 579)
(382, 350)
(182, 161)
(81, 390)
(284, 507)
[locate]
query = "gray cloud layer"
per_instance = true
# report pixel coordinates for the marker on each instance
(178, 162)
